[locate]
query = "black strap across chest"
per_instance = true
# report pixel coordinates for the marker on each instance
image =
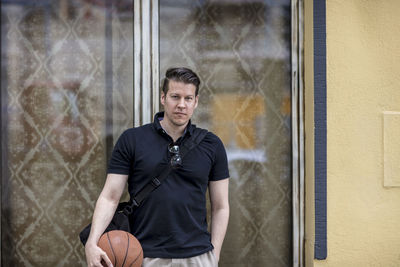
(188, 144)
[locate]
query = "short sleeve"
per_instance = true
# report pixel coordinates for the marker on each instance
(219, 168)
(123, 153)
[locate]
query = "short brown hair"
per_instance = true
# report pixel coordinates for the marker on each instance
(181, 74)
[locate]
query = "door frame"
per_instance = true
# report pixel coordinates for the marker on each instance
(297, 96)
(146, 97)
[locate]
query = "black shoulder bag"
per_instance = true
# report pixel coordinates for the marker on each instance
(121, 219)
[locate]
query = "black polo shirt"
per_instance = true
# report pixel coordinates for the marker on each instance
(171, 222)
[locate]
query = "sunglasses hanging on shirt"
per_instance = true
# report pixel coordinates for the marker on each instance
(176, 159)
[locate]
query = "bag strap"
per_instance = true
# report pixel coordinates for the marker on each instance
(188, 144)
(193, 141)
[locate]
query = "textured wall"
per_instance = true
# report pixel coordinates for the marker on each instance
(363, 55)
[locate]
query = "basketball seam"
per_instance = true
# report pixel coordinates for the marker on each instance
(136, 259)
(115, 257)
(126, 252)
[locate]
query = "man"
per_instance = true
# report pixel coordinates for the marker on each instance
(171, 222)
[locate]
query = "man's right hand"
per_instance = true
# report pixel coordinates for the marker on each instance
(94, 256)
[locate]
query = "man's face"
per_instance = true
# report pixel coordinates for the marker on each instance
(179, 102)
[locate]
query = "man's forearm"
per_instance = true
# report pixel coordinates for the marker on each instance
(219, 224)
(102, 217)
(105, 208)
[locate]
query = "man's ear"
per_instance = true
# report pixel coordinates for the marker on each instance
(196, 101)
(162, 98)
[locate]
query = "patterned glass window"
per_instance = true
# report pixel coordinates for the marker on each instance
(67, 93)
(241, 51)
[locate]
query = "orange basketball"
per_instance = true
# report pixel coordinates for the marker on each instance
(122, 248)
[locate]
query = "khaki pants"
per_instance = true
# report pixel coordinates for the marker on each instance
(204, 260)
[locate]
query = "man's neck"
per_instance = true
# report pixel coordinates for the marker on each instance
(172, 130)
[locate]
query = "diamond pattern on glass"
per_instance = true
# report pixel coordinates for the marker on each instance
(57, 82)
(241, 51)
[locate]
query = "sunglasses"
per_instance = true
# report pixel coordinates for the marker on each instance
(176, 159)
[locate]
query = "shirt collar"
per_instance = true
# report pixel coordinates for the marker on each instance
(157, 125)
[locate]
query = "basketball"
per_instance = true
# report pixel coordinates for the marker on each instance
(122, 248)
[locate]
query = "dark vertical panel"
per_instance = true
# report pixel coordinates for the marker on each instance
(3, 122)
(320, 247)
(109, 79)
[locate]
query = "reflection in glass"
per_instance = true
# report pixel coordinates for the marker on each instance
(66, 95)
(241, 51)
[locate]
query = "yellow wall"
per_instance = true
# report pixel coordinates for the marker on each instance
(363, 81)
(309, 132)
